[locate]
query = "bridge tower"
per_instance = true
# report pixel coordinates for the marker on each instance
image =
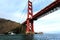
(29, 28)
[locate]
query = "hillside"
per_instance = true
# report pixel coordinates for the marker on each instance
(7, 25)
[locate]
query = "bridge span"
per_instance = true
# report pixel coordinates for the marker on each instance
(47, 10)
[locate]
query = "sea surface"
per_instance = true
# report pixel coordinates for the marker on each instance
(31, 37)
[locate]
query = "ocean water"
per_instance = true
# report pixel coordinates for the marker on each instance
(31, 37)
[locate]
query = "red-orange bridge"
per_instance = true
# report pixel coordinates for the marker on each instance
(49, 9)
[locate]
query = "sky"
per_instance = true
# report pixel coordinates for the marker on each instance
(16, 10)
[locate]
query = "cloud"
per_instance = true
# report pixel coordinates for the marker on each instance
(49, 23)
(20, 16)
(9, 6)
(16, 16)
(13, 10)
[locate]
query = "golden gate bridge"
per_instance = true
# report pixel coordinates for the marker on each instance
(30, 17)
